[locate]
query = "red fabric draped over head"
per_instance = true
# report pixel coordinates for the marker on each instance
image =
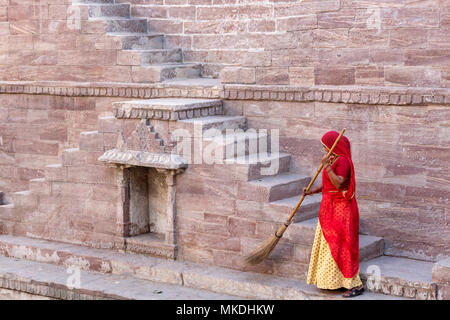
(342, 149)
(339, 214)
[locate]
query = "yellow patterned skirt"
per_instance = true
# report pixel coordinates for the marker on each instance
(323, 270)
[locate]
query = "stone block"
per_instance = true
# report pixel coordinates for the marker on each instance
(91, 141)
(237, 75)
(441, 272)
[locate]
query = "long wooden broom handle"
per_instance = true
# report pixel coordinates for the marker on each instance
(314, 178)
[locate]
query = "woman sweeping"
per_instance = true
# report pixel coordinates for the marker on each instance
(334, 260)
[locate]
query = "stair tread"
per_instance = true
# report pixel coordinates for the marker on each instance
(279, 179)
(151, 50)
(292, 201)
(107, 4)
(364, 239)
(207, 277)
(170, 103)
(135, 34)
(106, 18)
(240, 135)
(256, 158)
(401, 268)
(210, 82)
(105, 285)
(172, 65)
(211, 119)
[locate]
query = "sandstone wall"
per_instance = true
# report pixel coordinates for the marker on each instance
(309, 42)
(53, 40)
(400, 155)
(321, 42)
(35, 129)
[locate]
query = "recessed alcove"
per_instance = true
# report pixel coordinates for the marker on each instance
(147, 210)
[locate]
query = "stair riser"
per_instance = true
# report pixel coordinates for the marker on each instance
(305, 236)
(261, 170)
(287, 190)
(138, 26)
(400, 288)
(305, 212)
(179, 72)
(253, 171)
(230, 148)
(93, 1)
(26, 200)
(172, 56)
(109, 10)
(201, 130)
(40, 187)
(276, 192)
(142, 42)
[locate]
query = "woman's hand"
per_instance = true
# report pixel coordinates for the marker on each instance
(326, 161)
(306, 193)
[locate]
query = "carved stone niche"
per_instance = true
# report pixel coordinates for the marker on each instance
(146, 219)
(146, 177)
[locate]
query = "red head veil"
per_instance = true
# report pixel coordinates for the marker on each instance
(342, 149)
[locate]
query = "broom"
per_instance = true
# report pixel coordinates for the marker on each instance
(267, 247)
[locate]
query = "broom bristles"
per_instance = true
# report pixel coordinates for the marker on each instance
(267, 247)
(262, 252)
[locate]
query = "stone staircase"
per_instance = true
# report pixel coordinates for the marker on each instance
(151, 58)
(115, 275)
(275, 193)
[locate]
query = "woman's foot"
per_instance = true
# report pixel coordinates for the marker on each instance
(356, 291)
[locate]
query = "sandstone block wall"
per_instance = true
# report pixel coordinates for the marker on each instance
(400, 154)
(310, 42)
(53, 40)
(301, 42)
(35, 129)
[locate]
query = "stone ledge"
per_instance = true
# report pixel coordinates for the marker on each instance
(337, 94)
(144, 159)
(181, 273)
(168, 109)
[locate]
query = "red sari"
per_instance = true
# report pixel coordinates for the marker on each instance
(339, 215)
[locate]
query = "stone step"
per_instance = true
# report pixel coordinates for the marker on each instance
(24, 200)
(40, 187)
(144, 41)
(441, 276)
(303, 233)
(118, 10)
(259, 165)
(158, 56)
(238, 144)
(132, 25)
(93, 1)
(162, 72)
(308, 209)
(274, 188)
(55, 172)
(91, 141)
(182, 274)
(168, 108)
(52, 281)
(199, 127)
(200, 83)
(401, 277)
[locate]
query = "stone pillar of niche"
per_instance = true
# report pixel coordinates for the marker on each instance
(171, 207)
(123, 210)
